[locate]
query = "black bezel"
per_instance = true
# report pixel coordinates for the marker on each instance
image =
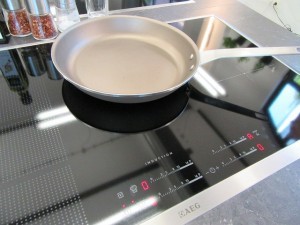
(3, 38)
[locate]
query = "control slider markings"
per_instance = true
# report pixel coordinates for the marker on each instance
(235, 159)
(181, 186)
(172, 172)
(229, 146)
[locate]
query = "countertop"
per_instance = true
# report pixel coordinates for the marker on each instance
(275, 200)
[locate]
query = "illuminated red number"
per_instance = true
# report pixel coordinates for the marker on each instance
(145, 185)
(250, 136)
(260, 147)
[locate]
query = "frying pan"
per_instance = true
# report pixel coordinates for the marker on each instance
(125, 59)
(130, 59)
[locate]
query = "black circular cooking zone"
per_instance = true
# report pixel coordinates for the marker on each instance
(124, 118)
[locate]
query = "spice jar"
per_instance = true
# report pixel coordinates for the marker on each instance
(16, 17)
(42, 22)
(66, 14)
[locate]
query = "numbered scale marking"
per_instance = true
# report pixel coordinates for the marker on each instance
(241, 155)
(174, 170)
(182, 185)
(248, 136)
(222, 148)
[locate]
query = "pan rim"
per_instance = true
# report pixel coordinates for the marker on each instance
(95, 92)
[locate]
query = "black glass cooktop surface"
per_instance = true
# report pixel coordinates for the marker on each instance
(67, 158)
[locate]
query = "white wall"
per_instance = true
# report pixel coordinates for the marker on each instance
(288, 11)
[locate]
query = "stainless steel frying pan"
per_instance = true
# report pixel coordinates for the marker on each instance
(130, 59)
(125, 59)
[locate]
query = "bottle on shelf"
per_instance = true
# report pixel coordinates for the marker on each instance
(42, 22)
(16, 17)
(66, 14)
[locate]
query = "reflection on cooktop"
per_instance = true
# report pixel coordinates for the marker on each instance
(124, 118)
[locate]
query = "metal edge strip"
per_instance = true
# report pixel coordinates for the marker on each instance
(150, 7)
(228, 188)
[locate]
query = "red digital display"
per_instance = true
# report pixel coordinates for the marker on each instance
(145, 185)
(250, 136)
(260, 147)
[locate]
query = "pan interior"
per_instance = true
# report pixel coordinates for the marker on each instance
(127, 64)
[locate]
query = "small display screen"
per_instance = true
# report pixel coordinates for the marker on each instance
(284, 110)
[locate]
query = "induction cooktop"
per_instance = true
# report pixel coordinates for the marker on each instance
(67, 158)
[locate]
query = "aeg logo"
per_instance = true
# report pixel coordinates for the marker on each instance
(189, 210)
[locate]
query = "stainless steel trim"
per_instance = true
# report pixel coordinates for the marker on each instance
(38, 7)
(12, 5)
(152, 7)
(210, 55)
(65, 4)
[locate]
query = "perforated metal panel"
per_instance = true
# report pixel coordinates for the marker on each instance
(22, 154)
(50, 198)
(36, 183)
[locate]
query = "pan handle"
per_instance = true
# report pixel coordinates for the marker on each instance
(197, 95)
(210, 55)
